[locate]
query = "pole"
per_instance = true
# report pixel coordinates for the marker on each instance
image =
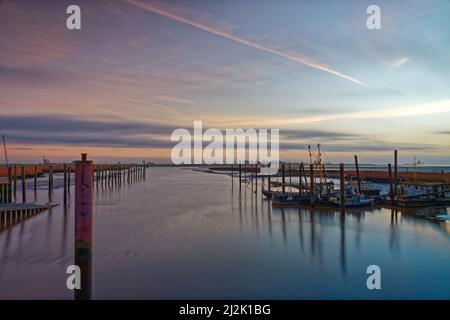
(15, 183)
(358, 179)
(9, 185)
(83, 224)
(50, 183)
(283, 178)
(35, 177)
(24, 191)
(341, 185)
(240, 176)
(300, 187)
(65, 185)
(311, 181)
(391, 189)
(395, 173)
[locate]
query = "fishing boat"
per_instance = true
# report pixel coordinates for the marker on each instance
(421, 194)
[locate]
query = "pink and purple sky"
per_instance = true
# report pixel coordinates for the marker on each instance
(139, 69)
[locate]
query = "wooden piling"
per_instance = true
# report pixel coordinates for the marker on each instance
(15, 183)
(50, 183)
(391, 189)
(24, 191)
(395, 172)
(311, 182)
(358, 178)
(240, 176)
(69, 172)
(341, 185)
(283, 179)
(83, 225)
(35, 178)
(9, 185)
(256, 178)
(300, 187)
(65, 185)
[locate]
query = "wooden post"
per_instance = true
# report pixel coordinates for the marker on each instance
(83, 225)
(391, 189)
(342, 185)
(50, 183)
(311, 183)
(15, 183)
(240, 176)
(9, 185)
(256, 178)
(357, 175)
(69, 171)
(283, 179)
(232, 175)
(35, 177)
(24, 190)
(65, 185)
(395, 173)
(300, 187)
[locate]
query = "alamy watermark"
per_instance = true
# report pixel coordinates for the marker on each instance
(229, 146)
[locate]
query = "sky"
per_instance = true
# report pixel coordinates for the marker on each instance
(138, 69)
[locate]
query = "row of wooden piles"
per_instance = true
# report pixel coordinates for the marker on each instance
(105, 175)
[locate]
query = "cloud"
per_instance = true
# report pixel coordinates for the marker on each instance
(48, 130)
(175, 99)
(408, 111)
(65, 124)
(397, 62)
(226, 33)
(366, 147)
(314, 134)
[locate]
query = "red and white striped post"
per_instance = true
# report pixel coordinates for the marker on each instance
(84, 171)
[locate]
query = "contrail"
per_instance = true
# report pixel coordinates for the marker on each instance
(224, 34)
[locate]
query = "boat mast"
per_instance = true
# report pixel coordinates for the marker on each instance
(319, 164)
(311, 162)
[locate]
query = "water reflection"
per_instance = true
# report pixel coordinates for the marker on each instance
(148, 245)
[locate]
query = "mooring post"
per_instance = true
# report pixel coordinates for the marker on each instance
(391, 189)
(9, 184)
(283, 179)
(69, 172)
(341, 185)
(50, 183)
(24, 191)
(311, 186)
(35, 177)
(232, 175)
(65, 185)
(83, 224)
(15, 183)
(300, 187)
(358, 179)
(240, 176)
(395, 173)
(268, 181)
(256, 178)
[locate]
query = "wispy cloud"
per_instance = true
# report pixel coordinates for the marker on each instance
(225, 33)
(397, 62)
(175, 99)
(407, 111)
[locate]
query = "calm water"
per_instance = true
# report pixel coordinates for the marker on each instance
(185, 234)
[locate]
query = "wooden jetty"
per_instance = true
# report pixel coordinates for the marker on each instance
(11, 214)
